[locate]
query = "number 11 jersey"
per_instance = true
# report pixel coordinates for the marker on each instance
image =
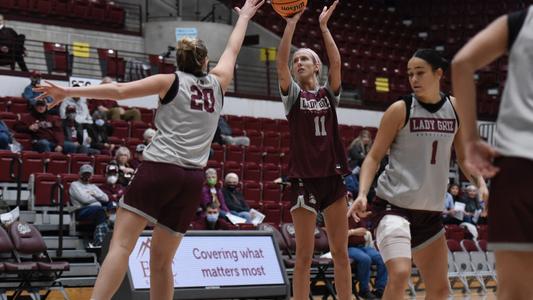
(417, 174)
(316, 149)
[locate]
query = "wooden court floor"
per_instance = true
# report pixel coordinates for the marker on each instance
(85, 293)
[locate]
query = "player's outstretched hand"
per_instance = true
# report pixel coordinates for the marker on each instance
(326, 13)
(51, 90)
(358, 209)
(249, 8)
(479, 156)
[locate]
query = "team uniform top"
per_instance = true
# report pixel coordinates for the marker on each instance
(514, 127)
(186, 121)
(417, 173)
(316, 148)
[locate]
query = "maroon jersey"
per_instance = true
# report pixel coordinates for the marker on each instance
(316, 149)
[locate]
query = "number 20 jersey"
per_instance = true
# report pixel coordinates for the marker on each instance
(187, 122)
(316, 149)
(417, 174)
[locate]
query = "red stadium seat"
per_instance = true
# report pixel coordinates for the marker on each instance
(32, 162)
(269, 124)
(256, 137)
(42, 192)
(66, 180)
(273, 155)
(100, 163)
(253, 153)
(233, 167)
(271, 139)
(252, 193)
(234, 153)
(6, 159)
(137, 129)
(252, 171)
(121, 129)
(251, 123)
(271, 192)
(285, 140)
(270, 172)
(218, 152)
(57, 163)
(77, 160)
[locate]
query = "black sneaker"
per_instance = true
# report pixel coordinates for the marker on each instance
(367, 295)
(378, 293)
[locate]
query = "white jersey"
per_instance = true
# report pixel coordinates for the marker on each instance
(186, 121)
(514, 127)
(417, 173)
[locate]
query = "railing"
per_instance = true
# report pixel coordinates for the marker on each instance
(16, 176)
(486, 131)
(58, 190)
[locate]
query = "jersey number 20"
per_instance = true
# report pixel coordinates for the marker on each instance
(202, 99)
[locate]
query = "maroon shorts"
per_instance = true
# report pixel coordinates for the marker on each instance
(316, 194)
(511, 205)
(425, 226)
(165, 194)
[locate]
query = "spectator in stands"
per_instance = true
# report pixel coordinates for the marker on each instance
(75, 135)
(45, 131)
(112, 188)
(11, 47)
(117, 112)
(472, 204)
(235, 199)
(122, 158)
(360, 249)
(83, 115)
(135, 162)
(148, 135)
(99, 132)
(211, 193)
(30, 95)
(212, 220)
(449, 204)
(5, 136)
(87, 199)
(359, 148)
(223, 135)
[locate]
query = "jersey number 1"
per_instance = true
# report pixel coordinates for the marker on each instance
(434, 152)
(320, 126)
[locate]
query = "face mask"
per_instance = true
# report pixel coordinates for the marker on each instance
(112, 179)
(99, 122)
(211, 181)
(35, 82)
(212, 218)
(231, 187)
(85, 177)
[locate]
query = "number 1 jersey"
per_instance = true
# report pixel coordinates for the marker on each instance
(417, 174)
(316, 149)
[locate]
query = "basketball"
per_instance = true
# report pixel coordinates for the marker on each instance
(287, 8)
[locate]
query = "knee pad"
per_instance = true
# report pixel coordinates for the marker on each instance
(393, 237)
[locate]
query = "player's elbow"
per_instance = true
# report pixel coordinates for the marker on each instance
(461, 64)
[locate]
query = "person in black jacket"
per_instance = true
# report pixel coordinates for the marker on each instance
(11, 47)
(234, 198)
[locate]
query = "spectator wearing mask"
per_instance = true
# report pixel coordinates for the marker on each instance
(75, 135)
(5, 136)
(112, 188)
(83, 115)
(212, 220)
(117, 112)
(148, 135)
(99, 132)
(87, 199)
(122, 157)
(212, 194)
(137, 159)
(30, 95)
(11, 47)
(234, 198)
(46, 132)
(472, 204)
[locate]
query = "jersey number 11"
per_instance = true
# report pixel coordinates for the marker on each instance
(320, 126)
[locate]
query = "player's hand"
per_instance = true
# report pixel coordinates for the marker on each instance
(249, 8)
(358, 209)
(294, 18)
(51, 90)
(478, 158)
(326, 13)
(484, 193)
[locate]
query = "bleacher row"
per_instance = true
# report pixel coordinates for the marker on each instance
(101, 13)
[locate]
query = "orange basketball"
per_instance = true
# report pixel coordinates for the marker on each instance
(287, 8)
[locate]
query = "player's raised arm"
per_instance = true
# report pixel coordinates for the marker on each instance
(334, 57)
(284, 51)
(225, 67)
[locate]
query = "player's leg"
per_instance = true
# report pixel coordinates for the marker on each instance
(393, 239)
(304, 227)
(514, 275)
(128, 227)
(337, 228)
(163, 248)
(432, 261)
